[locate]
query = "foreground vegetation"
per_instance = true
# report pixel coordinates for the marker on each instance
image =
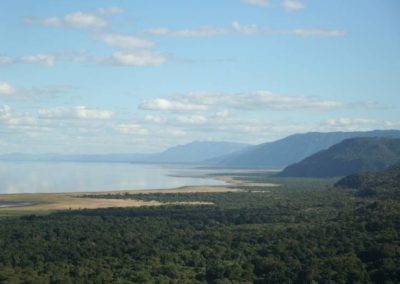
(301, 232)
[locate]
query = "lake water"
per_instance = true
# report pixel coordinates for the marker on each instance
(34, 177)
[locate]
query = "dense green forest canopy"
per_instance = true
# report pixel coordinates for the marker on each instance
(385, 183)
(303, 231)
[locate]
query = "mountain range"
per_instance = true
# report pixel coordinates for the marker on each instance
(277, 154)
(289, 150)
(192, 153)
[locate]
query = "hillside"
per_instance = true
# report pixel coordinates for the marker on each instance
(292, 149)
(373, 183)
(348, 157)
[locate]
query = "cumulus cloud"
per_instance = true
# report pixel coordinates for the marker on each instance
(204, 31)
(109, 10)
(154, 118)
(293, 5)
(43, 59)
(171, 105)
(260, 100)
(77, 19)
(253, 29)
(245, 29)
(125, 41)
(139, 58)
(11, 119)
(222, 114)
(78, 112)
(130, 129)
(261, 3)
(177, 132)
(359, 124)
(191, 119)
(313, 32)
(7, 89)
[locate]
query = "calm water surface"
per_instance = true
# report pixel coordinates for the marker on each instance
(33, 177)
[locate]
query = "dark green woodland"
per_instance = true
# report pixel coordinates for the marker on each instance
(305, 231)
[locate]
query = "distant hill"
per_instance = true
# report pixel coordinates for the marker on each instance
(348, 157)
(373, 183)
(193, 152)
(291, 149)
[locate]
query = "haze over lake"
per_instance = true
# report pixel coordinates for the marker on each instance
(40, 177)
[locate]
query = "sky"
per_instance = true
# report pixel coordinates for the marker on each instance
(141, 76)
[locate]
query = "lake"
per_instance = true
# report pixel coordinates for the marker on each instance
(35, 177)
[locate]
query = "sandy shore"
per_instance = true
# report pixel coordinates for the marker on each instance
(49, 202)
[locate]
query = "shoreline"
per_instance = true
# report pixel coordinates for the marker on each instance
(43, 203)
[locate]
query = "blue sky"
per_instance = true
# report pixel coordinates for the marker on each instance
(140, 76)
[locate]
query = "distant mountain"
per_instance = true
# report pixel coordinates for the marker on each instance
(197, 152)
(291, 149)
(52, 157)
(373, 183)
(194, 152)
(348, 157)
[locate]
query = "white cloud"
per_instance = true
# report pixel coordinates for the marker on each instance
(177, 132)
(6, 60)
(191, 119)
(79, 112)
(262, 3)
(84, 20)
(313, 32)
(245, 29)
(253, 29)
(11, 119)
(39, 58)
(76, 20)
(7, 89)
(14, 93)
(130, 129)
(154, 118)
(293, 5)
(204, 31)
(43, 59)
(358, 124)
(222, 114)
(171, 105)
(134, 58)
(259, 100)
(125, 41)
(110, 10)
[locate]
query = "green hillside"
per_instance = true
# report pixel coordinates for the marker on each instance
(348, 157)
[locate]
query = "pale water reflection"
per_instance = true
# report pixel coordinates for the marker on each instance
(33, 177)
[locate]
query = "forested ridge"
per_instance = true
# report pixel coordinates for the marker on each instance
(295, 233)
(348, 157)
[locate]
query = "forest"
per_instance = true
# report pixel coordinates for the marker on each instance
(304, 231)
